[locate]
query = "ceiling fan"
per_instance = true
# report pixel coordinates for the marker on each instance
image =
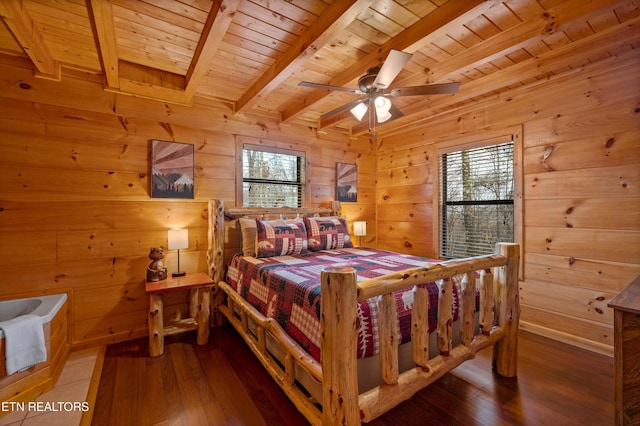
(375, 86)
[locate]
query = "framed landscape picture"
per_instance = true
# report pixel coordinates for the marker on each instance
(172, 165)
(347, 182)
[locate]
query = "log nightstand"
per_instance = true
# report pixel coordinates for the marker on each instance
(199, 283)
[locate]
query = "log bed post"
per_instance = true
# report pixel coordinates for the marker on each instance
(215, 256)
(505, 351)
(335, 208)
(339, 335)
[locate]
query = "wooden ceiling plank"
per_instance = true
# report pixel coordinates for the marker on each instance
(401, 14)
(283, 22)
(183, 48)
(254, 24)
(127, 29)
(164, 16)
(218, 21)
(181, 9)
(101, 14)
(149, 25)
(240, 35)
(148, 59)
(253, 57)
(66, 11)
(334, 19)
(625, 33)
(291, 10)
(412, 39)
(61, 49)
(517, 37)
(365, 31)
(17, 18)
(234, 61)
(381, 23)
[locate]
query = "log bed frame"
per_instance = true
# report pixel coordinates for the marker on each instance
(341, 401)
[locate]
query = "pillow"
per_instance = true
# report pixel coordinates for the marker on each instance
(250, 234)
(327, 233)
(280, 239)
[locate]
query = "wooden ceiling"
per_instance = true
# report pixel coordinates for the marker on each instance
(251, 54)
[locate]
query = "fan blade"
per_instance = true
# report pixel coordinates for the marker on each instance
(395, 112)
(427, 89)
(391, 68)
(329, 87)
(344, 107)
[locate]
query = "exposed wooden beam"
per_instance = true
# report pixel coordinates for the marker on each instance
(101, 12)
(18, 19)
(324, 29)
(138, 80)
(218, 21)
(413, 38)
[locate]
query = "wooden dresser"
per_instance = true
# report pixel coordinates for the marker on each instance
(626, 323)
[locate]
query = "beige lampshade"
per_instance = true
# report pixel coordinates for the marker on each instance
(359, 229)
(359, 110)
(178, 238)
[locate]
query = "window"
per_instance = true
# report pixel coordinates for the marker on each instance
(477, 200)
(273, 178)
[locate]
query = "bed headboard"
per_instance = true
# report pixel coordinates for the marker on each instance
(282, 212)
(224, 232)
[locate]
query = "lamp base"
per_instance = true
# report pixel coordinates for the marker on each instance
(178, 274)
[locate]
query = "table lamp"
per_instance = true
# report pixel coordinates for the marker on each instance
(359, 230)
(178, 239)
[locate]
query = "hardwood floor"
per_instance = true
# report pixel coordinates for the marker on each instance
(223, 384)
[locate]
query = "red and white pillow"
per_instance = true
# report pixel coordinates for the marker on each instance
(276, 238)
(327, 233)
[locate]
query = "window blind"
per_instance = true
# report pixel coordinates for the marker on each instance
(477, 187)
(272, 179)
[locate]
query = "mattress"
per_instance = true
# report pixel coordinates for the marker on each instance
(287, 288)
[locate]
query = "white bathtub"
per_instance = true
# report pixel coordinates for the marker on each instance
(26, 385)
(46, 307)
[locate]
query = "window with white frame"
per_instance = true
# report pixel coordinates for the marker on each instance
(477, 188)
(272, 177)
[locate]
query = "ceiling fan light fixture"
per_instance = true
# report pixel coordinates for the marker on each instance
(383, 105)
(359, 110)
(375, 85)
(382, 117)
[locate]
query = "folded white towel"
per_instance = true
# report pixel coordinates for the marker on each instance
(23, 342)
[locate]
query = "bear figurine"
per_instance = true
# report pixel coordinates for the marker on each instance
(156, 271)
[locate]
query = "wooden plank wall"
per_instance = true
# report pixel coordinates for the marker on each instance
(581, 184)
(75, 210)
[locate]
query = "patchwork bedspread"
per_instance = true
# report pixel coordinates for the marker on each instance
(287, 288)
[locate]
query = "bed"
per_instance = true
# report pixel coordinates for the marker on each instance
(455, 309)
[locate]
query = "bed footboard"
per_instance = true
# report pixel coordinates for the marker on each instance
(340, 294)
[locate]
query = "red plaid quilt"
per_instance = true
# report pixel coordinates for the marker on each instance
(287, 288)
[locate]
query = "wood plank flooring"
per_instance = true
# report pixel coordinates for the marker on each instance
(223, 384)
